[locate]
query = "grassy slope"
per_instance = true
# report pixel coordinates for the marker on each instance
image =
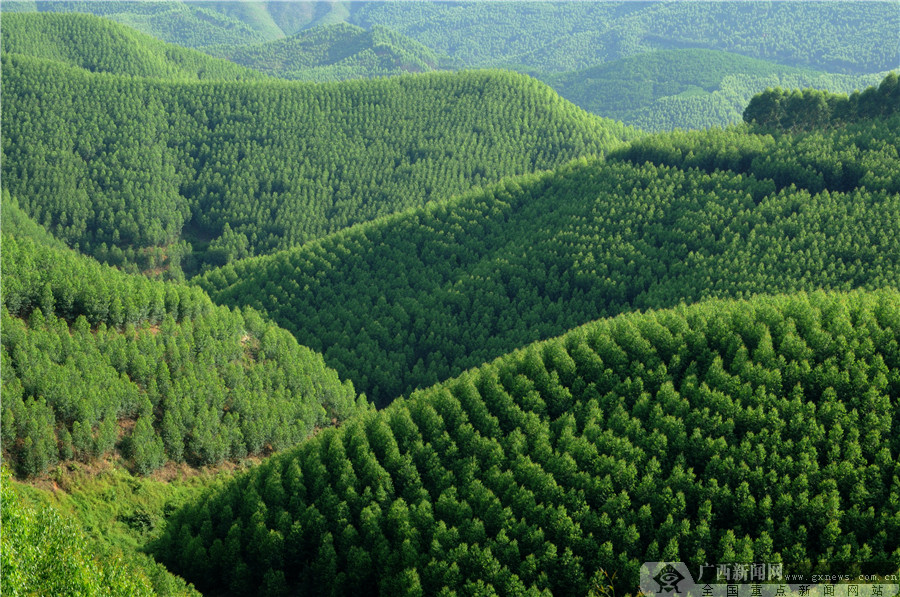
(118, 514)
(44, 553)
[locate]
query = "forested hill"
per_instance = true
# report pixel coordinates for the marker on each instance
(101, 45)
(336, 52)
(117, 165)
(96, 361)
(410, 300)
(807, 139)
(747, 431)
(688, 88)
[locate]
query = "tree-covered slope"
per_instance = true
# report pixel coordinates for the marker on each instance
(779, 109)
(415, 298)
(118, 165)
(100, 45)
(689, 88)
(335, 52)
(841, 142)
(743, 431)
(204, 22)
(588, 50)
(95, 360)
(16, 222)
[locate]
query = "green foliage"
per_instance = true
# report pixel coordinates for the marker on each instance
(40, 276)
(853, 151)
(16, 222)
(146, 447)
(761, 429)
(689, 88)
(100, 45)
(336, 52)
(810, 109)
(120, 513)
(410, 300)
(85, 347)
(45, 554)
(654, 65)
(123, 166)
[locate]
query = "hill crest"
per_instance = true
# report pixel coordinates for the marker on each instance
(97, 44)
(335, 52)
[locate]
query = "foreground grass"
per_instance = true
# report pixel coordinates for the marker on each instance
(119, 513)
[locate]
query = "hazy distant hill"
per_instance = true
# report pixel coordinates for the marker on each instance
(172, 21)
(858, 37)
(588, 51)
(100, 45)
(691, 88)
(850, 37)
(334, 52)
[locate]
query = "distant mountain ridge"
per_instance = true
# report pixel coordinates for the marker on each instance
(847, 37)
(173, 21)
(335, 52)
(588, 51)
